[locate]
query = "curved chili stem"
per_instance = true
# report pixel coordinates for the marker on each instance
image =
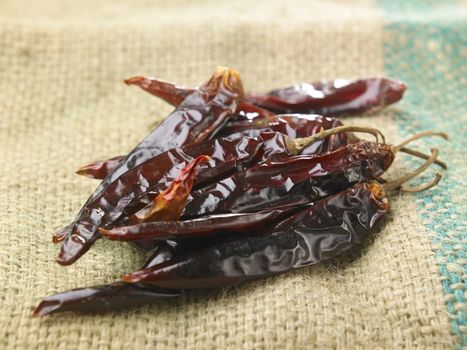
(424, 186)
(298, 144)
(417, 136)
(418, 154)
(403, 179)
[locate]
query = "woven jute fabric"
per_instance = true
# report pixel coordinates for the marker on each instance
(63, 103)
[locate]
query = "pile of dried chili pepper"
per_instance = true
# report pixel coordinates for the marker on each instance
(233, 187)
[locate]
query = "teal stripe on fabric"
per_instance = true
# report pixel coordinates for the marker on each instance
(426, 46)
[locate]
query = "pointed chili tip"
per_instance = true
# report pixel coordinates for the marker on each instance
(105, 233)
(60, 235)
(129, 278)
(394, 90)
(86, 170)
(202, 159)
(72, 249)
(134, 80)
(46, 307)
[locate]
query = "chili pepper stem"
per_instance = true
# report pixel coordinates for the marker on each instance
(298, 144)
(424, 186)
(403, 179)
(418, 154)
(419, 136)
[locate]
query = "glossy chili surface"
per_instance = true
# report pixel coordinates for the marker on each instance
(223, 225)
(321, 231)
(331, 98)
(294, 126)
(105, 298)
(293, 181)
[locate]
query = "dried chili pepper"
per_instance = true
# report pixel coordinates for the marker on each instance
(319, 232)
(109, 297)
(294, 126)
(331, 98)
(174, 94)
(198, 117)
(223, 225)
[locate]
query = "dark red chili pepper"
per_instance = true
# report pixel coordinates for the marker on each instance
(197, 118)
(174, 94)
(294, 126)
(296, 180)
(323, 230)
(224, 225)
(332, 98)
(110, 297)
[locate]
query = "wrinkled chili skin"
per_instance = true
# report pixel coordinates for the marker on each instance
(269, 147)
(224, 225)
(104, 298)
(294, 126)
(323, 230)
(156, 174)
(297, 180)
(332, 98)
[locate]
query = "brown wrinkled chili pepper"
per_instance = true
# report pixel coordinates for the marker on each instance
(109, 297)
(331, 98)
(224, 225)
(198, 117)
(174, 94)
(293, 126)
(323, 230)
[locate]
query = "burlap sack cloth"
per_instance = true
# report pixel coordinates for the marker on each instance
(63, 103)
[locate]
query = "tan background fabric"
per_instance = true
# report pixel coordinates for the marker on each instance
(62, 103)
